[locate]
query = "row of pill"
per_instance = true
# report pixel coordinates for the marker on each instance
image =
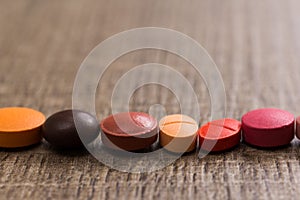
(265, 128)
(133, 131)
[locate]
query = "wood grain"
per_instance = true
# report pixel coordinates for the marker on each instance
(254, 43)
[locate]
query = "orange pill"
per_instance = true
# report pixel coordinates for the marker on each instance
(220, 135)
(20, 127)
(178, 133)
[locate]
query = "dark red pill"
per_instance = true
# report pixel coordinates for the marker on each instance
(268, 127)
(129, 131)
(220, 135)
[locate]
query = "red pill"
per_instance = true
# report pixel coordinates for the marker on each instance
(220, 135)
(129, 131)
(268, 127)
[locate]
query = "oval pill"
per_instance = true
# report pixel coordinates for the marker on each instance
(61, 129)
(220, 135)
(178, 133)
(268, 127)
(129, 131)
(20, 127)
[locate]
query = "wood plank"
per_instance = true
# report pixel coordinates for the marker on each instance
(254, 43)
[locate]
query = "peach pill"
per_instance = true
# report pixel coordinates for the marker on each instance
(178, 133)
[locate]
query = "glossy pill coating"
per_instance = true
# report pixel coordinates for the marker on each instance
(298, 127)
(129, 131)
(268, 127)
(20, 127)
(178, 133)
(61, 129)
(220, 135)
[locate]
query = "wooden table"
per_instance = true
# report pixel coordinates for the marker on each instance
(255, 45)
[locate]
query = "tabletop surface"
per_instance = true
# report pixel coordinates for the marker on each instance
(255, 45)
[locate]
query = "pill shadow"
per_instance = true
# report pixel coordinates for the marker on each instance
(122, 153)
(159, 147)
(79, 152)
(230, 150)
(69, 152)
(179, 154)
(20, 149)
(267, 148)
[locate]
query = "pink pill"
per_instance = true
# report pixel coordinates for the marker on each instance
(268, 127)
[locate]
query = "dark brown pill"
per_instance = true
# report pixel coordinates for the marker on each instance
(129, 131)
(61, 129)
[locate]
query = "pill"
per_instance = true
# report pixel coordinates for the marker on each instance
(298, 127)
(268, 127)
(220, 135)
(129, 131)
(178, 133)
(20, 127)
(62, 129)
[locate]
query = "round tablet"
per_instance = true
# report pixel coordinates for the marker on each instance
(20, 127)
(268, 127)
(61, 129)
(178, 133)
(129, 131)
(220, 135)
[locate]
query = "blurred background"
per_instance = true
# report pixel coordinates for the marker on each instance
(44, 42)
